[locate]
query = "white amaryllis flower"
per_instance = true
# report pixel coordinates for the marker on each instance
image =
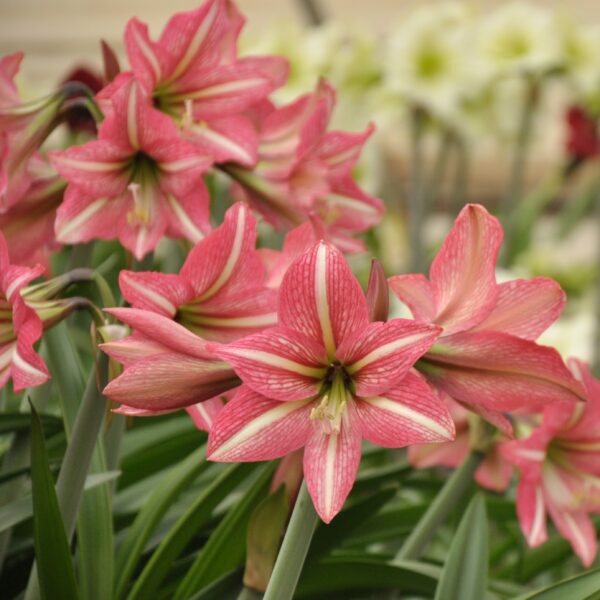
(517, 38)
(428, 62)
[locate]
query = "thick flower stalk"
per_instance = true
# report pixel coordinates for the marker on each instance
(20, 327)
(486, 356)
(220, 292)
(303, 169)
(559, 464)
(193, 74)
(137, 182)
(324, 379)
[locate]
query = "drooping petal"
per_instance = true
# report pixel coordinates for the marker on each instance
(252, 427)
(462, 276)
(499, 371)
(130, 350)
(321, 298)
(578, 528)
(531, 510)
(163, 330)
(525, 307)
(169, 381)
(330, 465)
(188, 215)
(415, 292)
(278, 363)
(380, 355)
(409, 413)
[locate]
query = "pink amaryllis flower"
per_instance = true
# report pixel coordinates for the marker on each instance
(494, 472)
(193, 74)
(303, 169)
(137, 182)
(324, 379)
(559, 466)
(220, 292)
(20, 327)
(486, 356)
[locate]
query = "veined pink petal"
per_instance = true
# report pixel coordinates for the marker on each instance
(409, 413)
(499, 371)
(415, 292)
(9, 67)
(226, 260)
(4, 258)
(495, 472)
(278, 363)
(16, 277)
(579, 530)
(525, 307)
(98, 168)
(252, 427)
(531, 510)
(129, 411)
(158, 292)
(204, 413)
(583, 420)
(341, 150)
(321, 298)
(188, 215)
(330, 465)
(462, 276)
(169, 381)
(145, 56)
(161, 329)
(381, 354)
(226, 139)
(181, 165)
(131, 349)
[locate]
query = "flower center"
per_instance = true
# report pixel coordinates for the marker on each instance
(331, 408)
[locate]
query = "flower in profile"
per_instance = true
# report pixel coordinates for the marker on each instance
(486, 356)
(137, 182)
(192, 74)
(220, 292)
(20, 327)
(324, 379)
(559, 464)
(303, 169)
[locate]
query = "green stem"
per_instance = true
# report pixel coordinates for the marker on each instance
(439, 168)
(447, 499)
(294, 549)
(519, 163)
(416, 196)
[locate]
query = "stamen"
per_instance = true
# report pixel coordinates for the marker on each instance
(142, 209)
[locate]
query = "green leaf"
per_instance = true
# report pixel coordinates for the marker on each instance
(464, 576)
(227, 587)
(334, 575)
(581, 587)
(13, 422)
(151, 514)
(55, 568)
(223, 550)
(185, 528)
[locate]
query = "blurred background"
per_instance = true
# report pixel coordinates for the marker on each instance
(493, 102)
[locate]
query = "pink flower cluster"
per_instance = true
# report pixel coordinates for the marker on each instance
(278, 352)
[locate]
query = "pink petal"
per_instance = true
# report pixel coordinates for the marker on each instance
(204, 413)
(252, 428)
(410, 413)
(226, 260)
(278, 363)
(495, 472)
(341, 150)
(462, 276)
(226, 139)
(321, 298)
(531, 510)
(157, 292)
(4, 258)
(169, 381)
(499, 371)
(448, 454)
(415, 292)
(525, 307)
(579, 530)
(181, 165)
(381, 354)
(145, 56)
(131, 349)
(163, 330)
(98, 168)
(16, 277)
(330, 465)
(188, 215)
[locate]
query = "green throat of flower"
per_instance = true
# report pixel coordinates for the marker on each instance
(331, 404)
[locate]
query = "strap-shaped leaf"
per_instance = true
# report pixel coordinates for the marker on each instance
(581, 587)
(464, 576)
(53, 556)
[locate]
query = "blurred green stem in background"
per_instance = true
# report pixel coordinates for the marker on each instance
(518, 167)
(596, 339)
(417, 197)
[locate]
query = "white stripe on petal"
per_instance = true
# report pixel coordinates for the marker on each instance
(73, 224)
(6, 356)
(193, 233)
(579, 542)
(352, 203)
(25, 366)
(535, 535)
(148, 54)
(274, 360)
(222, 88)
(385, 350)
(256, 426)
(408, 413)
(322, 300)
(90, 165)
(151, 295)
(530, 454)
(236, 249)
(214, 137)
(182, 164)
(204, 414)
(132, 129)
(329, 481)
(15, 284)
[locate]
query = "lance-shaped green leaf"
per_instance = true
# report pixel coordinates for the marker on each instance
(55, 568)
(185, 528)
(151, 514)
(581, 587)
(464, 576)
(14, 422)
(223, 550)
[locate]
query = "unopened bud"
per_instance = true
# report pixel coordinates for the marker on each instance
(378, 296)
